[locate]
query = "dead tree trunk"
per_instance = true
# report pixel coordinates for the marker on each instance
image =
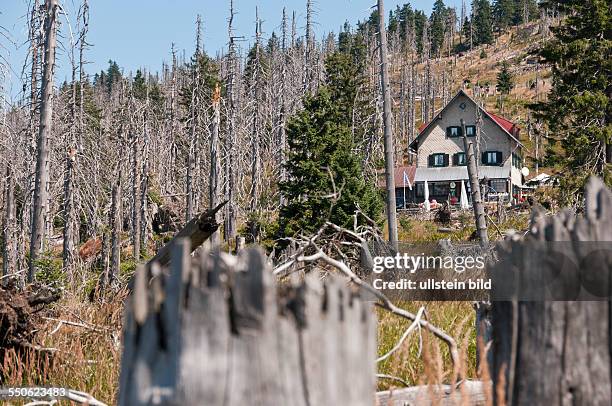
(26, 215)
(9, 248)
(187, 343)
(192, 155)
(554, 348)
(41, 193)
(68, 200)
(231, 136)
(479, 214)
(388, 142)
(255, 154)
(282, 134)
(144, 184)
(115, 220)
(136, 195)
(215, 167)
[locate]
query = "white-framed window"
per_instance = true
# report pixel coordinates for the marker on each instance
(438, 160)
(453, 132)
(492, 158)
(459, 159)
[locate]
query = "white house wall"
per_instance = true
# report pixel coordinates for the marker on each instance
(434, 140)
(492, 138)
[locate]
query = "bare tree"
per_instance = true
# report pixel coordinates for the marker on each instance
(215, 167)
(9, 248)
(388, 141)
(193, 124)
(255, 132)
(45, 128)
(231, 136)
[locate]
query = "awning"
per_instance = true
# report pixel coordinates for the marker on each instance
(459, 173)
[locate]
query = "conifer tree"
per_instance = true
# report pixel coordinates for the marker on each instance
(525, 11)
(437, 27)
(483, 22)
(505, 83)
(504, 12)
(579, 110)
(326, 181)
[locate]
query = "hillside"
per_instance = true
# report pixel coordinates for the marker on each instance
(476, 71)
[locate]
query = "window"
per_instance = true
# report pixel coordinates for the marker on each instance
(498, 185)
(492, 158)
(438, 160)
(420, 189)
(453, 132)
(470, 130)
(440, 189)
(517, 160)
(459, 159)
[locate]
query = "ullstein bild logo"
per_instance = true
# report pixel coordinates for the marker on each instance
(549, 271)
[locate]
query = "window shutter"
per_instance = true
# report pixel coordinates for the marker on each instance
(483, 158)
(499, 157)
(455, 159)
(445, 159)
(460, 131)
(448, 131)
(430, 160)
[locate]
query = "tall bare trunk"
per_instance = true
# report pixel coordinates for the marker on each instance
(389, 158)
(115, 220)
(41, 195)
(255, 154)
(136, 196)
(479, 214)
(215, 167)
(282, 134)
(230, 170)
(144, 184)
(193, 137)
(9, 248)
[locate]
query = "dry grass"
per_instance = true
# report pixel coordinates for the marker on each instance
(423, 359)
(87, 355)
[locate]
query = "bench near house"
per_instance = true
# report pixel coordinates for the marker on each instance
(441, 159)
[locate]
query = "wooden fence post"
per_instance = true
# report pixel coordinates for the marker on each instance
(212, 330)
(557, 352)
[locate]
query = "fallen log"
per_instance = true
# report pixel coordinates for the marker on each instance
(473, 393)
(197, 230)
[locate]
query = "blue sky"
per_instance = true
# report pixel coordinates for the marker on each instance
(139, 33)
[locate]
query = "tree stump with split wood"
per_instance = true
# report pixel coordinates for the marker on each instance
(557, 352)
(214, 330)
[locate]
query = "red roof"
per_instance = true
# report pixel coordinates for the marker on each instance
(398, 174)
(506, 124)
(422, 127)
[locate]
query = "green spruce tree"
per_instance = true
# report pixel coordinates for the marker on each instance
(525, 11)
(578, 111)
(438, 19)
(326, 181)
(139, 86)
(483, 22)
(504, 12)
(505, 83)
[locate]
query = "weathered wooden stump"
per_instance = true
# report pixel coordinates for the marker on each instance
(213, 330)
(549, 352)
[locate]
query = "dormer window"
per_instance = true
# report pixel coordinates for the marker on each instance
(470, 130)
(453, 132)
